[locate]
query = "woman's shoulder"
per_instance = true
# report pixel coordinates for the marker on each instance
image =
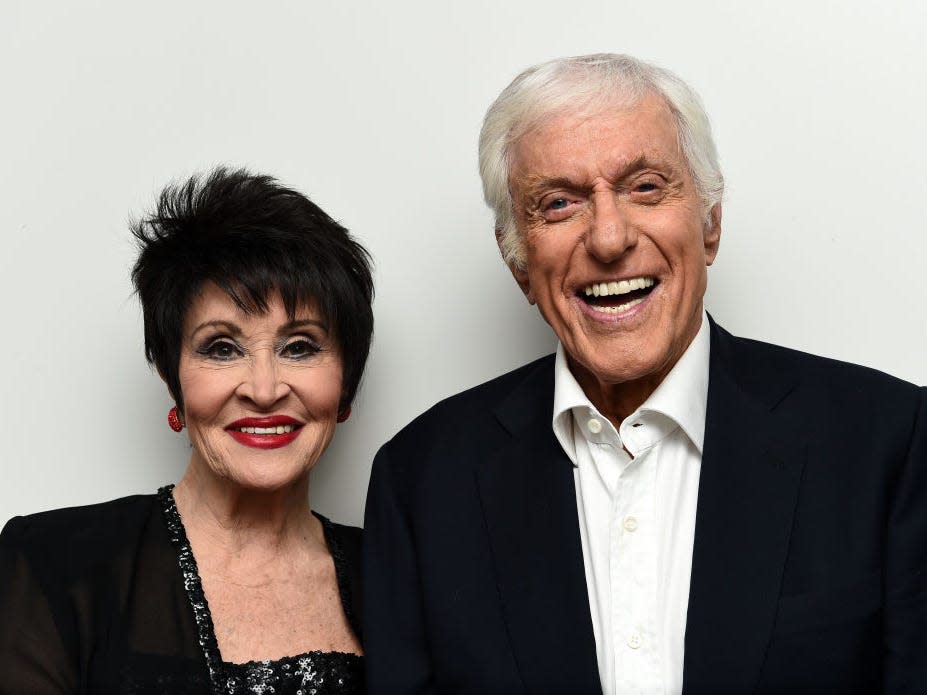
(344, 542)
(74, 532)
(348, 537)
(77, 520)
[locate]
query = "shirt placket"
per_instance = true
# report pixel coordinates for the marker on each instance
(632, 565)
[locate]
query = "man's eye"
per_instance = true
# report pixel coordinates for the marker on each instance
(649, 188)
(559, 208)
(221, 350)
(301, 347)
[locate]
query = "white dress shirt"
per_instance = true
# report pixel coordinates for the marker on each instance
(637, 518)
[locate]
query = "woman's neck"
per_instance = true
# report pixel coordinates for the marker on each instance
(230, 525)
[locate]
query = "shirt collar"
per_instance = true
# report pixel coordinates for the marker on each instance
(682, 396)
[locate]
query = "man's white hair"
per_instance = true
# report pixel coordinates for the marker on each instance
(580, 84)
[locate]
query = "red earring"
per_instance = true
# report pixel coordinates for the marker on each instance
(173, 419)
(344, 414)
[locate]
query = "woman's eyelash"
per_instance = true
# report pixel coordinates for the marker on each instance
(223, 349)
(301, 347)
(220, 349)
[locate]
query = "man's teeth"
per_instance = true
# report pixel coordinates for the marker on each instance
(279, 429)
(621, 308)
(605, 289)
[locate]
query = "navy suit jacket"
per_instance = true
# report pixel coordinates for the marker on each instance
(809, 571)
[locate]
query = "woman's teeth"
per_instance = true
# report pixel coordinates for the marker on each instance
(279, 429)
(606, 289)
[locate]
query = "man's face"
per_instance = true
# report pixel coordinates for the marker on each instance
(616, 242)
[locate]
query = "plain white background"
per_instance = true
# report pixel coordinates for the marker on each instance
(373, 110)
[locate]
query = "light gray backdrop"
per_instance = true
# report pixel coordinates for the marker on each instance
(373, 110)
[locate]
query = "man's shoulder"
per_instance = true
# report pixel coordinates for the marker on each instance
(754, 359)
(471, 412)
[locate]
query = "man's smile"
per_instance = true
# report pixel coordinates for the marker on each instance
(617, 296)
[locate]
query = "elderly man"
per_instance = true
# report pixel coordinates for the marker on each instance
(660, 507)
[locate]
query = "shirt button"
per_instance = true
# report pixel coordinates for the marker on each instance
(630, 524)
(594, 426)
(634, 641)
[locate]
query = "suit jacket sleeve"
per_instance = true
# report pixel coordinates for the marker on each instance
(905, 623)
(394, 634)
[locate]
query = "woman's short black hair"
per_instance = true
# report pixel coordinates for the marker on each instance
(250, 236)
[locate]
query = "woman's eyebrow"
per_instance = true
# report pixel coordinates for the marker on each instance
(227, 326)
(302, 323)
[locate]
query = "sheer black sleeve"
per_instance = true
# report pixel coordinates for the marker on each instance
(36, 650)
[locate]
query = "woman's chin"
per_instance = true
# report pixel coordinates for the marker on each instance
(266, 479)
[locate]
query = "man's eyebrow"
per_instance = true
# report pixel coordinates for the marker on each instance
(644, 161)
(533, 185)
(535, 182)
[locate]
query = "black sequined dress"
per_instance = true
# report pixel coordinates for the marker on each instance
(107, 599)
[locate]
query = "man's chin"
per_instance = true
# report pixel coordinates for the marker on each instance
(615, 364)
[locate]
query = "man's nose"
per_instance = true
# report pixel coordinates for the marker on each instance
(610, 234)
(262, 384)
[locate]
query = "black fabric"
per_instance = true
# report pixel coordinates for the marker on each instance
(92, 600)
(809, 566)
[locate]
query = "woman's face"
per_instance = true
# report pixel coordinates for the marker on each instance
(260, 392)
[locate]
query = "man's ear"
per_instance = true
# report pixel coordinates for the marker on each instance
(520, 274)
(521, 277)
(713, 234)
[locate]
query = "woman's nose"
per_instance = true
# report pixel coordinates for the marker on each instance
(263, 385)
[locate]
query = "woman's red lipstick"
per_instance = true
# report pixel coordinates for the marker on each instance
(257, 432)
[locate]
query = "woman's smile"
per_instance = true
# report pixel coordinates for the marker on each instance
(270, 432)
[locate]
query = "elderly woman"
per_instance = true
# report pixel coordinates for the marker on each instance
(257, 311)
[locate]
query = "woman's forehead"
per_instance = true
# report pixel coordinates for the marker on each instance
(213, 304)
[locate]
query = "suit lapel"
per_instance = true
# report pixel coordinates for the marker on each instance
(748, 489)
(529, 506)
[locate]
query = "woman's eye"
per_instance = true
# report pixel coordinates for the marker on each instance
(221, 350)
(300, 348)
(646, 187)
(558, 204)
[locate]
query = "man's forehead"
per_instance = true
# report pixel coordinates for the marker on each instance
(599, 109)
(578, 159)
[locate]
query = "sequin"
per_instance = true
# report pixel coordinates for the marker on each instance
(315, 673)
